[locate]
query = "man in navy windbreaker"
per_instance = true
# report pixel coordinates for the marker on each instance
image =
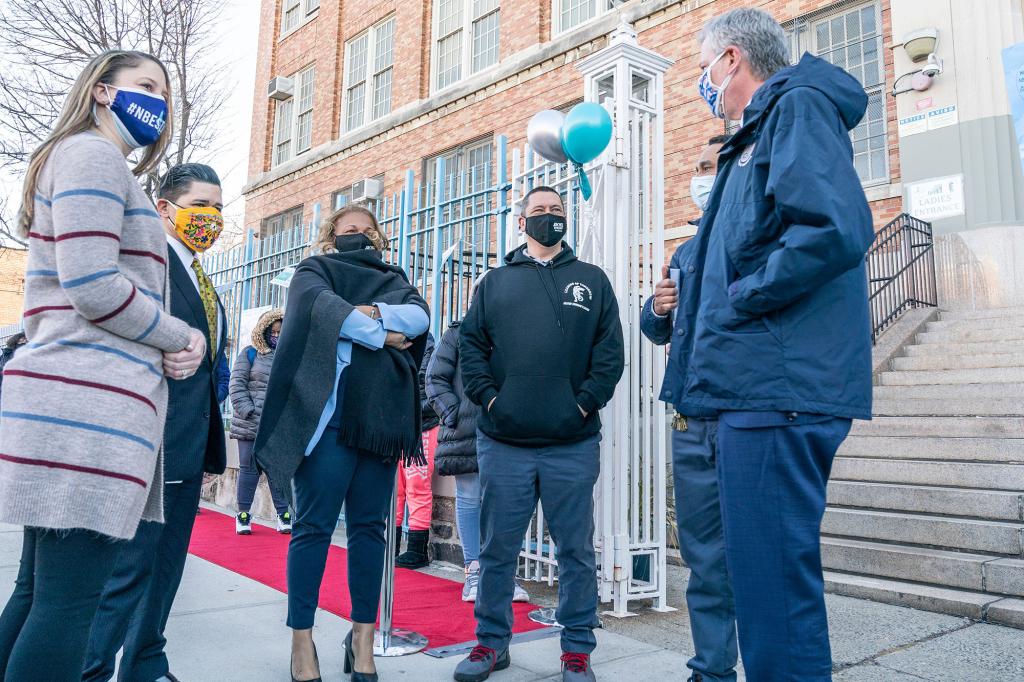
(668, 318)
(781, 345)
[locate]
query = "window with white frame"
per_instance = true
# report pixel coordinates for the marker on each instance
(280, 222)
(295, 12)
(849, 35)
(466, 34)
(467, 170)
(569, 14)
(369, 63)
(293, 119)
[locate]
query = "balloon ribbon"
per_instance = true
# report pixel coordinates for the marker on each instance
(585, 188)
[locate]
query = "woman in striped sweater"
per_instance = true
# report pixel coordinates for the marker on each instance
(83, 403)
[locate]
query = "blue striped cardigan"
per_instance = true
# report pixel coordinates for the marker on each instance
(83, 406)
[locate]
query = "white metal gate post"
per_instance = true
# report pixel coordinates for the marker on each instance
(627, 241)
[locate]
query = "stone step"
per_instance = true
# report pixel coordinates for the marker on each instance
(971, 335)
(973, 361)
(984, 313)
(946, 427)
(951, 391)
(935, 448)
(1006, 477)
(1002, 322)
(918, 564)
(995, 537)
(978, 606)
(929, 349)
(908, 407)
(995, 375)
(920, 499)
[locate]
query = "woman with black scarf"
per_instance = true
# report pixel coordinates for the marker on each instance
(338, 436)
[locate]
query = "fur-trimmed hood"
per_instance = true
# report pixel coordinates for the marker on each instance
(259, 332)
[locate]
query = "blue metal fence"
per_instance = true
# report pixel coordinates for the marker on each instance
(443, 233)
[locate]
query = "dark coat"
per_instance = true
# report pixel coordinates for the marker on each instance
(783, 321)
(456, 440)
(194, 434)
(428, 418)
(249, 380)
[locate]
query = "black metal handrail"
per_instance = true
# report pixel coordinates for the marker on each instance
(901, 271)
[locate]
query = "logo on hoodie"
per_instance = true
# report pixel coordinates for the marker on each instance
(578, 294)
(747, 154)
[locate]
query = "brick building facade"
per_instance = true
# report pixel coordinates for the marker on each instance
(380, 86)
(12, 285)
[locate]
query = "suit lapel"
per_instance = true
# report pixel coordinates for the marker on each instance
(184, 288)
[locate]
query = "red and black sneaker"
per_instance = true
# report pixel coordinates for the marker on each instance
(481, 662)
(576, 668)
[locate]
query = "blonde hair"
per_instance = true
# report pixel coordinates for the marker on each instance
(325, 235)
(77, 117)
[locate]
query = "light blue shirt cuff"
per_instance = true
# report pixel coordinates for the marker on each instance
(360, 329)
(407, 319)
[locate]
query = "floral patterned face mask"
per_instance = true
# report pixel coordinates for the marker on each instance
(198, 226)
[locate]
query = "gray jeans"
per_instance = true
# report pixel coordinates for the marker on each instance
(702, 543)
(512, 480)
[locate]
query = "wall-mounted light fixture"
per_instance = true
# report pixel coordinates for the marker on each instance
(920, 46)
(920, 43)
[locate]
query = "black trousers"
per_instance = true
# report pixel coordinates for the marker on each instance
(45, 626)
(138, 596)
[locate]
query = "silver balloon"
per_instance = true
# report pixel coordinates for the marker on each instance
(544, 133)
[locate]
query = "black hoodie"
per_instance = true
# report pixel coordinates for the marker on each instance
(546, 341)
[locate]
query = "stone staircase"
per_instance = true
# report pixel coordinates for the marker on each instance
(926, 502)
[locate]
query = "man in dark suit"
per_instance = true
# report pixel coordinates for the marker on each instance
(138, 596)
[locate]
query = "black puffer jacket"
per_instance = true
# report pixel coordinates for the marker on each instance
(248, 386)
(428, 418)
(456, 441)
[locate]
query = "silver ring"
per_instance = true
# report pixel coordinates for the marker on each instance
(181, 374)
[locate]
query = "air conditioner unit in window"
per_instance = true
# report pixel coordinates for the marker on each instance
(280, 88)
(367, 189)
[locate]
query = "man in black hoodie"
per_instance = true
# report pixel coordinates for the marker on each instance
(541, 350)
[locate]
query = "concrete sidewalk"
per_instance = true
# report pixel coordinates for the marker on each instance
(225, 627)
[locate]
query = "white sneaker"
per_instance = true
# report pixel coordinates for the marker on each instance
(520, 593)
(284, 523)
(472, 582)
(243, 523)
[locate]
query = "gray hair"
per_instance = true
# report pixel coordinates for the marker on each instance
(758, 36)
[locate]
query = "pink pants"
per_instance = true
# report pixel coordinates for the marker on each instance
(414, 487)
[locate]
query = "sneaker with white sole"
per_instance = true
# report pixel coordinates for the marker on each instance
(472, 582)
(243, 523)
(520, 594)
(284, 523)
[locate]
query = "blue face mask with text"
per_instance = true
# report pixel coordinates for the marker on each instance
(138, 116)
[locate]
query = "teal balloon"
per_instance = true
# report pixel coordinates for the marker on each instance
(586, 132)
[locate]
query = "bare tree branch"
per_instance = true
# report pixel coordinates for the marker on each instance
(44, 45)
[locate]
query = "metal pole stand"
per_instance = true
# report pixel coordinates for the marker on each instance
(389, 641)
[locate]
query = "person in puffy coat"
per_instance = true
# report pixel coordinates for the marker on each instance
(248, 390)
(456, 452)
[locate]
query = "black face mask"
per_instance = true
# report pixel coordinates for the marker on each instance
(352, 242)
(546, 228)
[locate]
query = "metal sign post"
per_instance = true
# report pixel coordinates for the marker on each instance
(389, 641)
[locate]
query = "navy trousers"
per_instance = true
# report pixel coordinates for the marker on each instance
(44, 629)
(334, 474)
(512, 479)
(138, 596)
(772, 473)
(709, 599)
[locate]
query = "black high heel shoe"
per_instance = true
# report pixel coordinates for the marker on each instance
(350, 664)
(315, 679)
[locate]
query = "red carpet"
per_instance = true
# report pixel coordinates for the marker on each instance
(423, 603)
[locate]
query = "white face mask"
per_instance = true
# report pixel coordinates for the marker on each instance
(700, 190)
